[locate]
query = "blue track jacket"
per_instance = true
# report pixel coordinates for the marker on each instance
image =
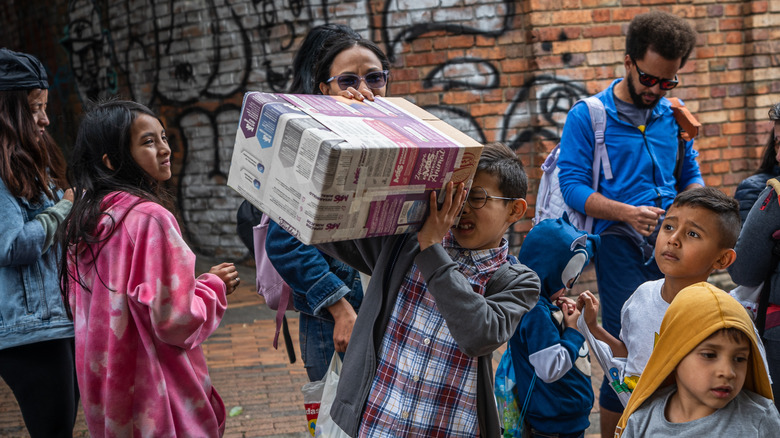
(642, 163)
(562, 396)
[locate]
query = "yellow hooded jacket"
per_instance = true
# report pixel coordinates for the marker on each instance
(696, 312)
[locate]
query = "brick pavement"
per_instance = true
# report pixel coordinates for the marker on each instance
(247, 372)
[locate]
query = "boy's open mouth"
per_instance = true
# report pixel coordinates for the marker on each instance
(721, 391)
(464, 225)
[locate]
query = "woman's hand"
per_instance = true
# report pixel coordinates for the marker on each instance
(440, 221)
(361, 94)
(68, 195)
(344, 316)
(228, 273)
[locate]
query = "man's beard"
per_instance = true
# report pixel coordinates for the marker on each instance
(637, 98)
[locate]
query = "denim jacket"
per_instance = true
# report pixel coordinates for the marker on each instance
(31, 305)
(317, 280)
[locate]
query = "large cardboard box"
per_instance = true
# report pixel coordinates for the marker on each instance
(328, 168)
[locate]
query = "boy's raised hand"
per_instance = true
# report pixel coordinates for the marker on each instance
(589, 304)
(440, 221)
(570, 311)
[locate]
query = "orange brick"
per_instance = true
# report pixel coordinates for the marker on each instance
(601, 31)
(626, 14)
(730, 23)
(720, 167)
(600, 15)
(571, 17)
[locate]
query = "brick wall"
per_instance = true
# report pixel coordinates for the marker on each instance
(497, 69)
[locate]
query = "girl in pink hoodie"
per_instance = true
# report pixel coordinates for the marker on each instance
(140, 314)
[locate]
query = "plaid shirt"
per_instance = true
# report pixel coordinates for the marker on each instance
(424, 385)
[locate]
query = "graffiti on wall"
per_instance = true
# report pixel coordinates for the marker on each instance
(195, 59)
(546, 96)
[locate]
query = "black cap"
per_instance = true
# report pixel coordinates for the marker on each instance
(20, 71)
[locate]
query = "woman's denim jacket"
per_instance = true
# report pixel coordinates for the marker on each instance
(31, 305)
(317, 280)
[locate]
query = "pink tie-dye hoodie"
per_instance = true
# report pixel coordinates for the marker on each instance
(139, 327)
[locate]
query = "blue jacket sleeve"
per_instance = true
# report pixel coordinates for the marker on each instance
(575, 162)
(551, 353)
(21, 242)
(691, 174)
(306, 271)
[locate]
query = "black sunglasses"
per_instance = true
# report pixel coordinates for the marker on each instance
(374, 80)
(649, 80)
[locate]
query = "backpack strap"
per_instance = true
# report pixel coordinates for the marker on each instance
(689, 126)
(598, 120)
(688, 129)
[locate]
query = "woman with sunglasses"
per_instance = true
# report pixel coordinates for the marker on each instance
(327, 292)
(352, 67)
(748, 190)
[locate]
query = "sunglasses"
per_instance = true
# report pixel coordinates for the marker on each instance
(374, 80)
(650, 80)
(478, 197)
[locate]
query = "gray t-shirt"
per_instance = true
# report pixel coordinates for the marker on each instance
(630, 113)
(748, 415)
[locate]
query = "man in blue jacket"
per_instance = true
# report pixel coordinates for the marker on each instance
(641, 137)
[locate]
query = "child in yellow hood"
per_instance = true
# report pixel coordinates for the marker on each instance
(705, 376)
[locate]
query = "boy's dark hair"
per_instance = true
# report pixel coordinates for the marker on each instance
(733, 333)
(502, 162)
(668, 35)
(769, 157)
(724, 206)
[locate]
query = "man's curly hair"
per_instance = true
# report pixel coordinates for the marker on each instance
(668, 35)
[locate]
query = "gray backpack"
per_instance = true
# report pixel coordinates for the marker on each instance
(549, 199)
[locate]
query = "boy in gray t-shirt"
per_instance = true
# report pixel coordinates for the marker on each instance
(705, 376)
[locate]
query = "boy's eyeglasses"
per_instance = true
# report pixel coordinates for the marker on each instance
(374, 80)
(478, 197)
(649, 80)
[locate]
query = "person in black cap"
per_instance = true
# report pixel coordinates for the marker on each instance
(36, 334)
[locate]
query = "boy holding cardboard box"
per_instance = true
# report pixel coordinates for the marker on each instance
(419, 359)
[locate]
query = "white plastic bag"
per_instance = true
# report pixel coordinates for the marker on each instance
(614, 367)
(748, 297)
(326, 428)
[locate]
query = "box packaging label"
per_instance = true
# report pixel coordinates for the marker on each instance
(328, 168)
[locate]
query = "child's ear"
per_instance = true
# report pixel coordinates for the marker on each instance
(726, 258)
(107, 162)
(519, 206)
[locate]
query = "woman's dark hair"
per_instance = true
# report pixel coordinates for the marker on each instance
(29, 163)
(337, 44)
(104, 131)
(306, 57)
(769, 157)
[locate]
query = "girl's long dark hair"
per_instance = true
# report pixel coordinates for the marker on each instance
(29, 163)
(104, 131)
